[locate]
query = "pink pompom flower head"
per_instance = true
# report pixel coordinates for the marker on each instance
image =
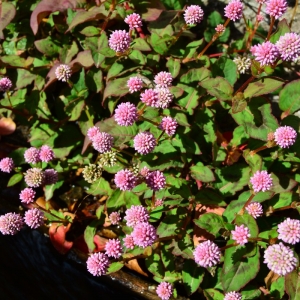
(285, 136)
(5, 84)
(113, 248)
(125, 180)
(156, 180)
(46, 154)
(150, 97)
(261, 181)
(114, 218)
(234, 10)
(32, 155)
(135, 215)
(51, 176)
(63, 72)
(165, 97)
(233, 296)
(241, 234)
(289, 231)
(34, 177)
(134, 84)
(97, 264)
(144, 234)
(169, 125)
(163, 79)
(280, 259)
(102, 142)
(164, 290)
(193, 14)
(289, 46)
(11, 223)
(133, 20)
(207, 254)
(159, 202)
(6, 164)
(27, 195)
(128, 241)
(144, 142)
(126, 114)
(119, 41)
(265, 53)
(276, 8)
(92, 132)
(255, 210)
(34, 218)
(220, 28)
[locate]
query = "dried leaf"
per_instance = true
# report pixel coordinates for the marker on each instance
(57, 234)
(134, 265)
(7, 126)
(7, 13)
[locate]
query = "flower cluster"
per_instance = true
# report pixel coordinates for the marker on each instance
(125, 180)
(33, 155)
(233, 296)
(34, 218)
(255, 209)
(97, 264)
(243, 63)
(6, 164)
(144, 234)
(240, 234)
(265, 53)
(11, 223)
(5, 84)
(207, 254)
(135, 84)
(288, 46)
(135, 215)
(126, 114)
(276, 8)
(261, 181)
(101, 141)
(114, 218)
(234, 10)
(119, 41)
(156, 180)
(144, 142)
(27, 195)
(91, 173)
(63, 73)
(113, 248)
(164, 290)
(133, 20)
(193, 14)
(289, 231)
(285, 136)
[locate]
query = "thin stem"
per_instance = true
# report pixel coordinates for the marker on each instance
(255, 27)
(157, 140)
(244, 85)
(271, 28)
(148, 120)
(184, 27)
(294, 13)
(111, 9)
(140, 32)
(241, 212)
(153, 199)
(229, 246)
(257, 150)
(64, 221)
(8, 96)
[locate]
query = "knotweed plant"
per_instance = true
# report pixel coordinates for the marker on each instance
(160, 138)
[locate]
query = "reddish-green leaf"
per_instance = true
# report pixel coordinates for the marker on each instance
(192, 276)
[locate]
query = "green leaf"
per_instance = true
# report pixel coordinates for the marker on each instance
(211, 222)
(90, 31)
(289, 97)
(208, 196)
(17, 61)
(292, 285)
(15, 179)
(238, 270)
(49, 189)
(195, 75)
(8, 12)
(213, 294)
(99, 188)
(131, 199)
(116, 200)
(114, 267)
(218, 87)
(158, 43)
(277, 288)
(190, 98)
(48, 46)
(116, 88)
(89, 234)
(226, 68)
(249, 222)
(253, 160)
(137, 57)
(174, 66)
(192, 276)
(24, 78)
(141, 44)
(94, 80)
(262, 86)
(154, 265)
(202, 173)
(282, 28)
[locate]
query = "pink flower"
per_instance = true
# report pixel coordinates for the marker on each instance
(164, 290)
(289, 231)
(266, 53)
(34, 218)
(156, 180)
(261, 181)
(220, 28)
(150, 97)
(193, 14)
(144, 235)
(271, 136)
(144, 171)
(233, 296)
(10, 223)
(276, 8)
(27, 195)
(128, 242)
(169, 125)
(159, 202)
(5, 84)
(280, 259)
(119, 40)
(255, 210)
(135, 215)
(289, 46)
(240, 234)
(51, 176)
(134, 84)
(6, 165)
(144, 142)
(32, 155)
(34, 177)
(126, 114)
(234, 10)
(113, 248)
(63, 73)
(92, 132)
(165, 97)
(163, 79)
(97, 264)
(102, 142)
(285, 136)
(133, 20)
(114, 218)
(259, 18)
(207, 254)
(46, 154)
(125, 180)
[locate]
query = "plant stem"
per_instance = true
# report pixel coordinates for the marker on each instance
(271, 27)
(255, 28)
(241, 212)
(244, 85)
(111, 9)
(8, 96)
(184, 27)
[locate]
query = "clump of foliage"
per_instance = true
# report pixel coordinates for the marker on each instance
(154, 137)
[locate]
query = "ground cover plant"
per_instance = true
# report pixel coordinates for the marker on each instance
(155, 140)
